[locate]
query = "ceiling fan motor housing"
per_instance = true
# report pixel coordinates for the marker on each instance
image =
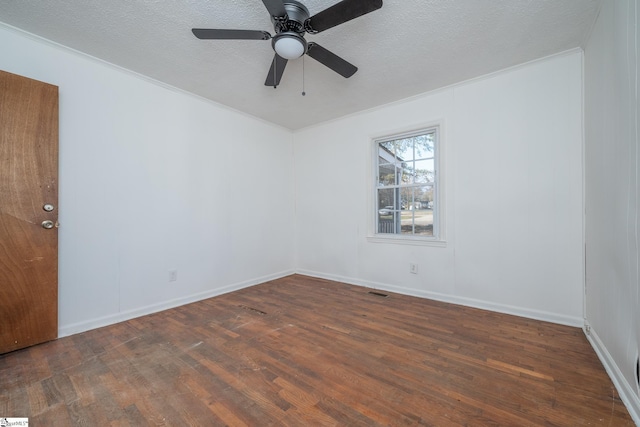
(290, 29)
(297, 14)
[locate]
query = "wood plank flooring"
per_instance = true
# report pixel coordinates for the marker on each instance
(300, 351)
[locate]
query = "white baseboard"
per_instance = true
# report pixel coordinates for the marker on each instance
(561, 319)
(625, 390)
(111, 319)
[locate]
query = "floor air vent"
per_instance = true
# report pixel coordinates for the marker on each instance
(255, 310)
(378, 294)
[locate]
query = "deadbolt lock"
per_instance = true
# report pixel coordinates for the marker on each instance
(48, 207)
(47, 224)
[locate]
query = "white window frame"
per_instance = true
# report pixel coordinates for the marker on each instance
(438, 238)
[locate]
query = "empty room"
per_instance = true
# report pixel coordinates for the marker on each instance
(319, 212)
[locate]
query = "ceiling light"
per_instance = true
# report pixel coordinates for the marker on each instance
(289, 45)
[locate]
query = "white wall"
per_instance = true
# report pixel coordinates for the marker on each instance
(153, 179)
(611, 198)
(513, 184)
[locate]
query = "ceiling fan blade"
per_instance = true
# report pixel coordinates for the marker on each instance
(275, 7)
(212, 34)
(340, 13)
(276, 70)
(331, 60)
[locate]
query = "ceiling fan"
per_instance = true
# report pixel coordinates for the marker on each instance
(291, 21)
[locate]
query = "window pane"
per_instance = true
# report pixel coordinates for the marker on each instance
(387, 211)
(404, 149)
(424, 171)
(406, 197)
(407, 222)
(386, 199)
(424, 146)
(385, 155)
(425, 197)
(386, 174)
(388, 147)
(387, 224)
(405, 173)
(423, 222)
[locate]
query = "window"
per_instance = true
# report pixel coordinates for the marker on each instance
(406, 193)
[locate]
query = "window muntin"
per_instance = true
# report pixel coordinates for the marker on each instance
(406, 185)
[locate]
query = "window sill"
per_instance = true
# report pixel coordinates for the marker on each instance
(416, 241)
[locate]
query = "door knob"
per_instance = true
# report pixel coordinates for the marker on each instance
(47, 224)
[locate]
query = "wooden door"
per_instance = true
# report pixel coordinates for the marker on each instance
(28, 181)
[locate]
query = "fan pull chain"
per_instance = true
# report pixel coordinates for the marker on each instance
(303, 92)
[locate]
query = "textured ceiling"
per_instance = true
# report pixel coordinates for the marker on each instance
(406, 48)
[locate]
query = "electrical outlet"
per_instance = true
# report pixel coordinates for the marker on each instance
(173, 275)
(413, 268)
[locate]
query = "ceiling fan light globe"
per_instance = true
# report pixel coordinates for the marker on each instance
(289, 47)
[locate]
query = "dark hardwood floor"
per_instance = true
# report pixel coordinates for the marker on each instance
(300, 351)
